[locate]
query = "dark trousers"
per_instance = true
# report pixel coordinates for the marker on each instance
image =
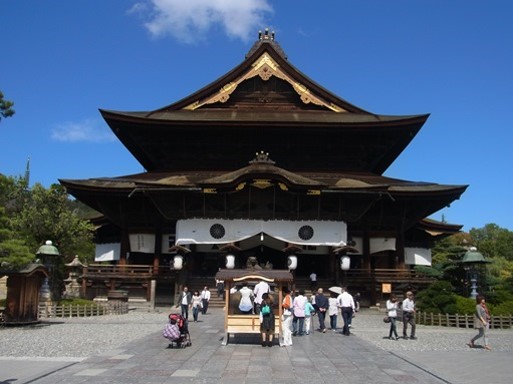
(408, 318)
(298, 325)
(333, 321)
(347, 315)
(393, 327)
(204, 302)
(322, 317)
(185, 310)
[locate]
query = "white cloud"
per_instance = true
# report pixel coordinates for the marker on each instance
(89, 130)
(190, 20)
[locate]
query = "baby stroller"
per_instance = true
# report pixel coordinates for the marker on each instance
(181, 339)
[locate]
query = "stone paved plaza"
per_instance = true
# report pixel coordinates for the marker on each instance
(130, 349)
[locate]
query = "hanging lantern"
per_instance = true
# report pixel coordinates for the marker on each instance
(345, 263)
(230, 261)
(292, 262)
(178, 262)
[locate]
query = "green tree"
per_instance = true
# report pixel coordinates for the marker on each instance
(14, 253)
(6, 109)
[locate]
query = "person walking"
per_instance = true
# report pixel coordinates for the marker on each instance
(205, 299)
(196, 305)
(392, 307)
(481, 322)
(322, 305)
(333, 311)
(185, 302)
(309, 312)
(409, 316)
(346, 304)
(286, 325)
(299, 313)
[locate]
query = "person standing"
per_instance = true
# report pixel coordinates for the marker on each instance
(333, 311)
(346, 304)
(286, 325)
(481, 322)
(309, 312)
(267, 321)
(409, 316)
(185, 302)
(245, 303)
(261, 288)
(205, 299)
(299, 313)
(392, 315)
(313, 282)
(322, 305)
(196, 305)
(220, 288)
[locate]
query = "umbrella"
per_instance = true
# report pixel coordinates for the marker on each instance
(337, 290)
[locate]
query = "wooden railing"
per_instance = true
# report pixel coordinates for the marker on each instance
(461, 321)
(47, 310)
(387, 276)
(125, 271)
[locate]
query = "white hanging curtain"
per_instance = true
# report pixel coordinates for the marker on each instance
(220, 231)
(417, 256)
(107, 252)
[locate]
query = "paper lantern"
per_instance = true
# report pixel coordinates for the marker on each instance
(230, 261)
(345, 263)
(292, 262)
(178, 262)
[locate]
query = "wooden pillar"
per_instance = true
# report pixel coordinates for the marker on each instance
(125, 247)
(399, 250)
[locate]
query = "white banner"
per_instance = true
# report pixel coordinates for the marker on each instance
(380, 244)
(142, 242)
(218, 231)
(107, 252)
(417, 256)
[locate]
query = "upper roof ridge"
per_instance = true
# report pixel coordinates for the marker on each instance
(267, 37)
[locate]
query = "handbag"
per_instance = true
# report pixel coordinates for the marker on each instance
(386, 319)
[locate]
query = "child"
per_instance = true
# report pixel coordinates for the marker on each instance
(309, 312)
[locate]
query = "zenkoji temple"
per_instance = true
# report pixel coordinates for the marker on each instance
(262, 164)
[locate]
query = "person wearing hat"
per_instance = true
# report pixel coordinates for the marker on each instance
(409, 315)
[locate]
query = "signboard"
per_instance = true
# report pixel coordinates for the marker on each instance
(386, 288)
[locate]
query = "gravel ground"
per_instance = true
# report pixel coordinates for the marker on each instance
(83, 337)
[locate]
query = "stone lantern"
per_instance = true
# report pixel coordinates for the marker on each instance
(72, 285)
(47, 254)
(471, 262)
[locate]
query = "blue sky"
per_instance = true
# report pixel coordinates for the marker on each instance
(61, 61)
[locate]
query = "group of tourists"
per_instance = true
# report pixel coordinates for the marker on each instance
(298, 312)
(407, 306)
(197, 301)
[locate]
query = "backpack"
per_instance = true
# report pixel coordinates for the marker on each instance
(266, 310)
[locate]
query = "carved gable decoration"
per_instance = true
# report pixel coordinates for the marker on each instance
(265, 67)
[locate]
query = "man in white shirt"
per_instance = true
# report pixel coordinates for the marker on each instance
(409, 315)
(261, 288)
(205, 299)
(313, 282)
(346, 304)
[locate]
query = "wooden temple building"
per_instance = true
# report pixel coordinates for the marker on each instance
(262, 164)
